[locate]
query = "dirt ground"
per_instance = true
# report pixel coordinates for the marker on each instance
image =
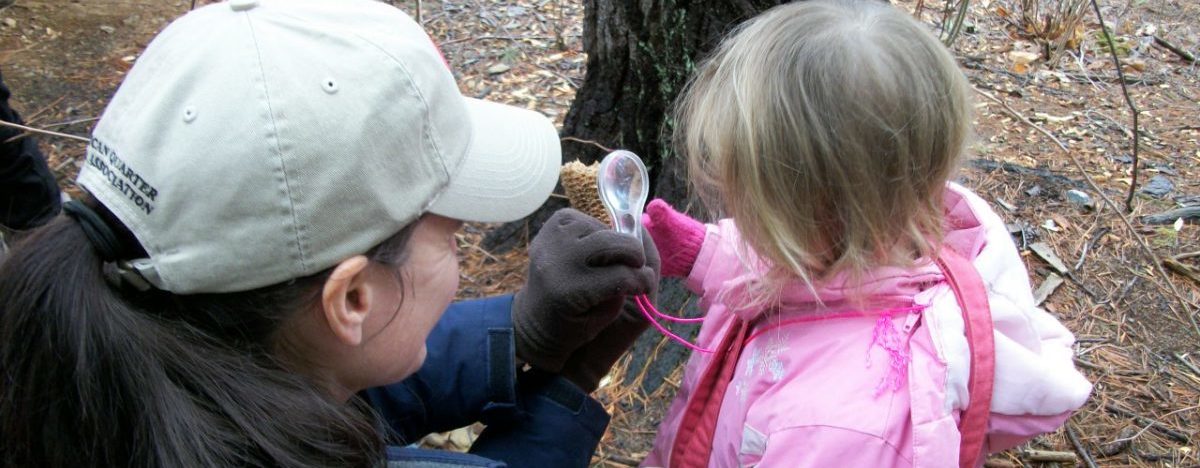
(1125, 291)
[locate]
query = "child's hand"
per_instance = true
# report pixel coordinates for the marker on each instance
(677, 236)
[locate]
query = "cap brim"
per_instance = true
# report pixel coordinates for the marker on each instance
(510, 169)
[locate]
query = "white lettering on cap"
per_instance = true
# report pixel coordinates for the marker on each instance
(242, 5)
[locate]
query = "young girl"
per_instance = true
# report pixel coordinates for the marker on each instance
(267, 246)
(835, 290)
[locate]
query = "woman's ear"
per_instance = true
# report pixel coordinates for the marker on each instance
(346, 299)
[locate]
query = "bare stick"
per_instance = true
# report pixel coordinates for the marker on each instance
(958, 21)
(1158, 426)
(1049, 456)
(1183, 269)
(1108, 201)
(1183, 54)
(1187, 363)
(489, 37)
(588, 142)
(1168, 217)
(43, 132)
(1125, 91)
(1079, 448)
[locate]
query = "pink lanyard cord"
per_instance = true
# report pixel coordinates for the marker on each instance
(646, 307)
(643, 300)
(885, 337)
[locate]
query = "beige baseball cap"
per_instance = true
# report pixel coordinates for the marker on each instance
(255, 141)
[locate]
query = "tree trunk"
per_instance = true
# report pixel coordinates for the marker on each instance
(640, 54)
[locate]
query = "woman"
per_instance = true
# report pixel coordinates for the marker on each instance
(269, 239)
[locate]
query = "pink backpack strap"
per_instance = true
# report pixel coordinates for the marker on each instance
(693, 443)
(969, 290)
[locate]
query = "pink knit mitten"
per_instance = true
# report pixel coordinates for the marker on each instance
(677, 236)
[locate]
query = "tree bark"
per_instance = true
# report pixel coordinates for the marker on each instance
(640, 55)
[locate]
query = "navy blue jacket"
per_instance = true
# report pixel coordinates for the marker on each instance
(470, 375)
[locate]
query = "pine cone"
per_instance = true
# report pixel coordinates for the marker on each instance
(579, 181)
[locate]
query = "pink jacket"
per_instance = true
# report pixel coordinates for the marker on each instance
(824, 392)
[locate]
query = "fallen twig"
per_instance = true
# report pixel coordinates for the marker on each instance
(1183, 269)
(492, 37)
(1112, 49)
(1087, 245)
(1079, 448)
(1187, 363)
(620, 460)
(1151, 423)
(1186, 316)
(1168, 217)
(1049, 456)
(1183, 54)
(32, 118)
(587, 142)
(1041, 173)
(43, 132)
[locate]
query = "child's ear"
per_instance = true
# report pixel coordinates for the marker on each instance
(346, 299)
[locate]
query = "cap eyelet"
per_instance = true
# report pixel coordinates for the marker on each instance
(329, 86)
(189, 114)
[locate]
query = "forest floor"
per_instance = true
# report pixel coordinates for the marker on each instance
(1123, 279)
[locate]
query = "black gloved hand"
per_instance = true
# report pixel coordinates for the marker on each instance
(592, 362)
(579, 274)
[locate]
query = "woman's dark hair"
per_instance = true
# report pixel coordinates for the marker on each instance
(96, 375)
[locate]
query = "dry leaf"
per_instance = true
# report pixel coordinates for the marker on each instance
(1021, 60)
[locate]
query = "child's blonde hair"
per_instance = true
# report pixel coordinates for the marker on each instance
(827, 130)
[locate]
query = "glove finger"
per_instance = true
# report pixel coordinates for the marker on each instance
(569, 223)
(616, 281)
(648, 279)
(608, 247)
(653, 258)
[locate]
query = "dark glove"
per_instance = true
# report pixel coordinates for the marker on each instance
(579, 274)
(592, 362)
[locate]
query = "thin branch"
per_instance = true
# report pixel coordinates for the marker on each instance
(958, 21)
(588, 142)
(1112, 49)
(1183, 54)
(1124, 220)
(1080, 448)
(71, 122)
(43, 132)
(490, 37)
